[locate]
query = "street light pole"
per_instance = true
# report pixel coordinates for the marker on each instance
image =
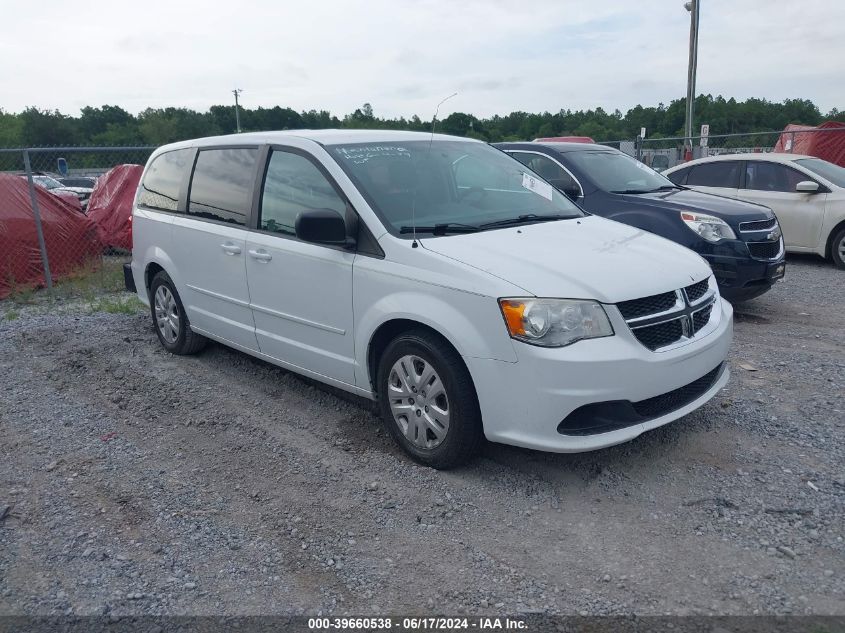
(692, 6)
(236, 92)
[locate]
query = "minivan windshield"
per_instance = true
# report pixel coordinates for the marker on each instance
(616, 172)
(825, 169)
(441, 187)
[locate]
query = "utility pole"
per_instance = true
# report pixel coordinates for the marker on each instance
(236, 92)
(692, 6)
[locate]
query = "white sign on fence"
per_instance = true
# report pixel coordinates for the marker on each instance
(705, 132)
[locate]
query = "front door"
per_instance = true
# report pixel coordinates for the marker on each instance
(719, 177)
(800, 214)
(300, 293)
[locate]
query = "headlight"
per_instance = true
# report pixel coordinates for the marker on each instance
(554, 322)
(710, 228)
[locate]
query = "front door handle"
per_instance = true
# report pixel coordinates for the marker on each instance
(262, 255)
(230, 249)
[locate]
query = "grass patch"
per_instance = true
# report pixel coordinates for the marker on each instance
(127, 304)
(92, 279)
(11, 315)
(87, 282)
(23, 295)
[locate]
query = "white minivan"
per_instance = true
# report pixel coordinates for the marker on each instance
(434, 274)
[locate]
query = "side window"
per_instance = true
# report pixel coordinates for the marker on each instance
(547, 168)
(293, 184)
(765, 176)
(716, 174)
(678, 177)
(160, 189)
(221, 186)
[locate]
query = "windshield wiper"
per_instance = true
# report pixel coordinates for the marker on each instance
(524, 219)
(441, 229)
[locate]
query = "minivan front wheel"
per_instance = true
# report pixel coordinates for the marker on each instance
(428, 401)
(169, 318)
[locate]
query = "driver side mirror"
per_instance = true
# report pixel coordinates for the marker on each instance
(807, 186)
(322, 226)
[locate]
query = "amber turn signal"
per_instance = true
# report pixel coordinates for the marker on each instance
(513, 312)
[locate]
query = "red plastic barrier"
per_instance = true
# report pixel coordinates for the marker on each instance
(110, 206)
(70, 237)
(829, 145)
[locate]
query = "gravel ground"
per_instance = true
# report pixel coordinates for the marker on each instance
(136, 482)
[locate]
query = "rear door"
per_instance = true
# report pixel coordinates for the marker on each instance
(800, 215)
(301, 293)
(209, 244)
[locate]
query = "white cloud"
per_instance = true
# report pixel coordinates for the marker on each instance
(403, 56)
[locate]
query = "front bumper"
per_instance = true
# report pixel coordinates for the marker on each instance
(523, 403)
(739, 275)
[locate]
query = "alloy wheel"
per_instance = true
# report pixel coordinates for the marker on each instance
(167, 314)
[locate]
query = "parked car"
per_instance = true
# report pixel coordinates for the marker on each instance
(564, 139)
(86, 182)
(82, 194)
(806, 193)
(433, 274)
(660, 162)
(740, 241)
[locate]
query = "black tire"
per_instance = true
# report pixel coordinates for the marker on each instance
(186, 341)
(464, 434)
(837, 248)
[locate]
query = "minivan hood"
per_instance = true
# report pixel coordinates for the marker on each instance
(730, 210)
(584, 258)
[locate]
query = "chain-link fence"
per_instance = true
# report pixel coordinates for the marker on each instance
(65, 212)
(65, 218)
(663, 153)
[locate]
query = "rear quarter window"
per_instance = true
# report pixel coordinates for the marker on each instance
(160, 187)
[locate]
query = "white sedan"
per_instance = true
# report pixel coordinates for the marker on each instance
(806, 193)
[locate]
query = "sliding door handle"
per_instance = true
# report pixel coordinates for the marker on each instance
(261, 255)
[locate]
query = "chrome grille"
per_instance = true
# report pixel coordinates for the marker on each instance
(696, 291)
(661, 335)
(647, 305)
(663, 320)
(757, 225)
(701, 318)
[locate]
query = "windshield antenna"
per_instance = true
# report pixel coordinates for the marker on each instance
(430, 141)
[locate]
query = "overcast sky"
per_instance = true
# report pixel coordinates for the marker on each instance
(403, 56)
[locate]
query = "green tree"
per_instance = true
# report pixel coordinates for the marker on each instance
(43, 128)
(11, 129)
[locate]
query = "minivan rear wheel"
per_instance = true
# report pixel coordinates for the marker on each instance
(169, 319)
(428, 401)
